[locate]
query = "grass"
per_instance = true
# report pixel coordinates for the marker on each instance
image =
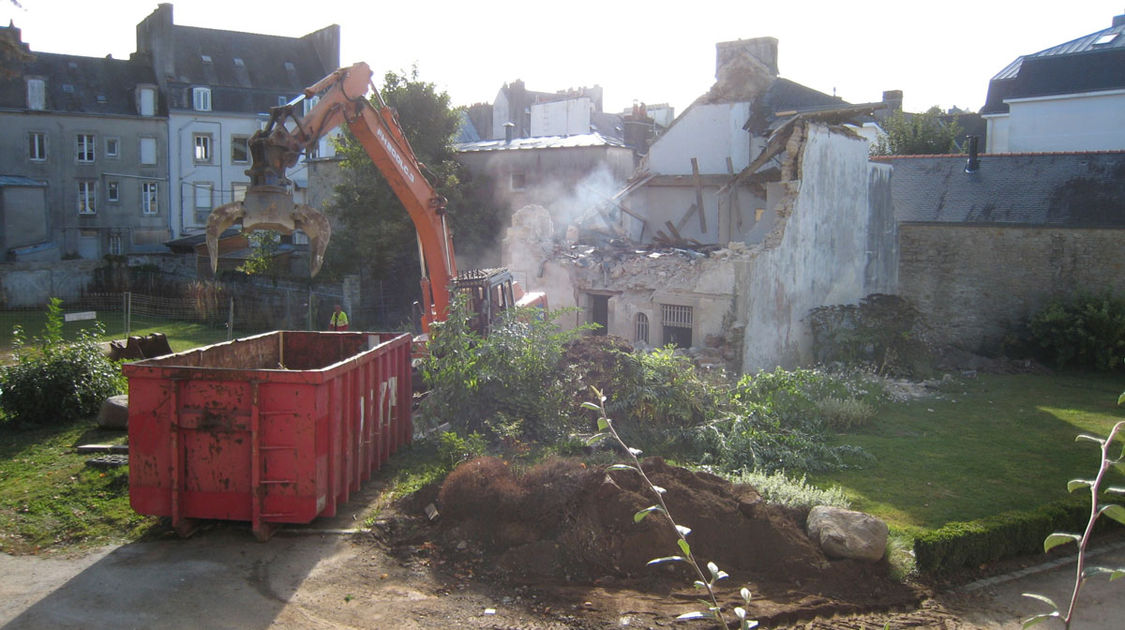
(182, 335)
(997, 443)
(50, 499)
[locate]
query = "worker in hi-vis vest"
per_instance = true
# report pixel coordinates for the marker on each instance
(339, 319)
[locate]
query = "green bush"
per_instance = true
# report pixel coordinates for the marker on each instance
(506, 385)
(54, 381)
(789, 491)
(969, 544)
(883, 332)
(657, 396)
(775, 421)
(1086, 331)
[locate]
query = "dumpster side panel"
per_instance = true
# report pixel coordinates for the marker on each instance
(214, 435)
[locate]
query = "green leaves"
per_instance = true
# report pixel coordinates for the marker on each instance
(1056, 539)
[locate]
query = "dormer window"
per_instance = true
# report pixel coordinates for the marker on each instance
(36, 94)
(201, 99)
(146, 101)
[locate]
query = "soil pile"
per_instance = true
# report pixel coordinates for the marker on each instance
(563, 523)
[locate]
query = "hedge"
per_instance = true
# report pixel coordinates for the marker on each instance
(964, 544)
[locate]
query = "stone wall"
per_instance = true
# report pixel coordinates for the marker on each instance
(32, 284)
(977, 284)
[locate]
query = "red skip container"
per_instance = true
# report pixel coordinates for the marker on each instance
(275, 428)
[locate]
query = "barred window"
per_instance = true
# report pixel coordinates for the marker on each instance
(641, 333)
(677, 324)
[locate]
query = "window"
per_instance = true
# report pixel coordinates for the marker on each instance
(238, 191)
(37, 146)
(36, 94)
(599, 313)
(115, 244)
(87, 196)
(148, 151)
(202, 152)
(84, 147)
(203, 195)
(146, 101)
(640, 334)
(281, 101)
(201, 99)
(677, 321)
(112, 147)
(112, 191)
(519, 181)
(240, 149)
(150, 202)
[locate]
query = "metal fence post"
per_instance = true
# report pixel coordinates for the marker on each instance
(127, 312)
(230, 320)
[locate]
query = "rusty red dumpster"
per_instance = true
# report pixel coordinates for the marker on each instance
(276, 428)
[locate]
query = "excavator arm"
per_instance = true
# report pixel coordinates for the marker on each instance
(341, 100)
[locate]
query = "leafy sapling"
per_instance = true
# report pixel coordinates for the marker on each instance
(1112, 510)
(703, 581)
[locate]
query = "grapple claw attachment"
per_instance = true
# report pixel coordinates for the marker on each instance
(271, 208)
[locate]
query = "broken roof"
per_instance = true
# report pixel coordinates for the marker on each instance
(585, 140)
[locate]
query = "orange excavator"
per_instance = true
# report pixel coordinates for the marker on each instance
(340, 99)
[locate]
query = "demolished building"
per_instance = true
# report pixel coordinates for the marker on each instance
(755, 206)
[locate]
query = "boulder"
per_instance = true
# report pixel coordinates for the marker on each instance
(114, 413)
(847, 534)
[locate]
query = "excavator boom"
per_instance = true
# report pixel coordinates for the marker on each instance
(340, 99)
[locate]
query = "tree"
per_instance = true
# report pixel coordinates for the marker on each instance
(918, 134)
(373, 234)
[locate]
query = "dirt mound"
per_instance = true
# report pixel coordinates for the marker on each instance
(566, 524)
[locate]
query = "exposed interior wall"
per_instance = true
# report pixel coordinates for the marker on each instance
(817, 253)
(978, 283)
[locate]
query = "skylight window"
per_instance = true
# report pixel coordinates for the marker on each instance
(205, 58)
(238, 62)
(1106, 39)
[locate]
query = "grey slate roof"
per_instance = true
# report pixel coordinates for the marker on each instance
(268, 67)
(91, 85)
(1045, 189)
(20, 180)
(1090, 63)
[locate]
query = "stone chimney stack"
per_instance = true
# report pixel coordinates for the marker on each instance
(762, 49)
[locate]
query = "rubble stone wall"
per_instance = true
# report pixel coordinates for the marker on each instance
(818, 253)
(976, 284)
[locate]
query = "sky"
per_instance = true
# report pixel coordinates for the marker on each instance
(937, 53)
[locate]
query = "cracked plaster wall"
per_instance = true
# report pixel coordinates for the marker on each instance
(821, 253)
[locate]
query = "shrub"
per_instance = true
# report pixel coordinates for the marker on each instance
(969, 544)
(54, 381)
(842, 414)
(793, 492)
(1086, 331)
(775, 422)
(659, 395)
(505, 385)
(882, 332)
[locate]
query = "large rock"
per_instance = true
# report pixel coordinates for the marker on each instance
(847, 534)
(114, 413)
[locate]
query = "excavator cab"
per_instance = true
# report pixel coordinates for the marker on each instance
(490, 293)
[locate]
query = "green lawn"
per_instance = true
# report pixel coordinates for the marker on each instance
(992, 444)
(182, 335)
(50, 498)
